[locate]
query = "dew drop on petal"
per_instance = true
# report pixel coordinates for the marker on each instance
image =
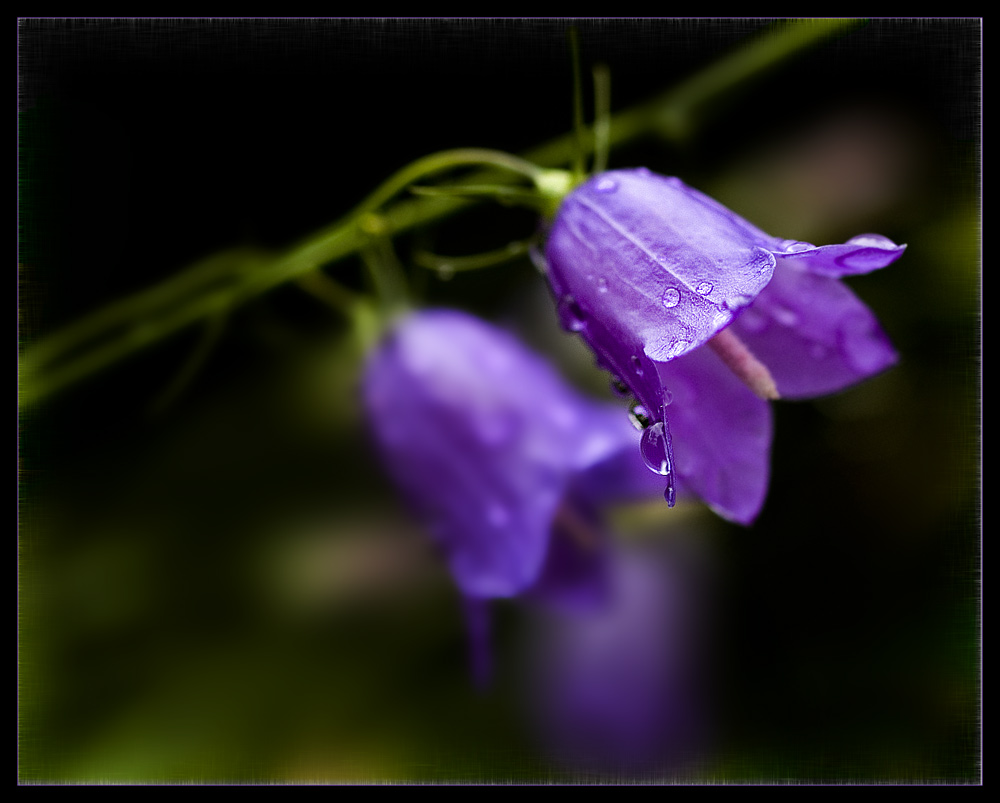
(671, 297)
(602, 285)
(653, 446)
(721, 318)
(703, 288)
(736, 302)
(795, 246)
(668, 397)
(636, 364)
(639, 416)
(678, 347)
(606, 185)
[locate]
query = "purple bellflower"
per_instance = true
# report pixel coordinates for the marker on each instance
(504, 463)
(647, 270)
(619, 688)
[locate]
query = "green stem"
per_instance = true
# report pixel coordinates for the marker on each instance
(222, 282)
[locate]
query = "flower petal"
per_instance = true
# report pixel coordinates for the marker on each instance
(721, 435)
(617, 688)
(652, 257)
(861, 254)
(483, 438)
(814, 335)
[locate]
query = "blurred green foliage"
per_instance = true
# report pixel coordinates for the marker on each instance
(225, 588)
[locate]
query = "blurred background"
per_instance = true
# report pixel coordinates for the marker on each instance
(216, 581)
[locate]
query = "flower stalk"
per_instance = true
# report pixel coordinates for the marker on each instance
(221, 282)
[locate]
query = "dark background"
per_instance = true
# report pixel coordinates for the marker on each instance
(153, 642)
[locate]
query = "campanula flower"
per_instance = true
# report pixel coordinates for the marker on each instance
(504, 463)
(619, 687)
(648, 269)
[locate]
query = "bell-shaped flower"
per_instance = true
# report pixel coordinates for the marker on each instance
(504, 463)
(619, 688)
(647, 270)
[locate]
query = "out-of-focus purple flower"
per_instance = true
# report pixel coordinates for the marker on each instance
(618, 688)
(505, 464)
(647, 269)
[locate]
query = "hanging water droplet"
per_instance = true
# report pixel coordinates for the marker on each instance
(445, 272)
(668, 397)
(703, 288)
(639, 416)
(736, 302)
(636, 364)
(671, 297)
(653, 447)
(606, 185)
(570, 315)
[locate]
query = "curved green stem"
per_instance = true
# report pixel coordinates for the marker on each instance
(226, 280)
(457, 264)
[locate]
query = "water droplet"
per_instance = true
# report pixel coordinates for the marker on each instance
(636, 364)
(671, 297)
(445, 272)
(703, 288)
(570, 315)
(619, 387)
(736, 302)
(677, 348)
(606, 185)
(668, 397)
(795, 246)
(670, 495)
(721, 318)
(639, 416)
(653, 446)
(602, 285)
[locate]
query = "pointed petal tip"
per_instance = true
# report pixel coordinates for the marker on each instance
(861, 254)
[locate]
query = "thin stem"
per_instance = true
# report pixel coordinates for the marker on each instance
(439, 162)
(602, 117)
(580, 151)
(457, 264)
(223, 281)
(214, 328)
